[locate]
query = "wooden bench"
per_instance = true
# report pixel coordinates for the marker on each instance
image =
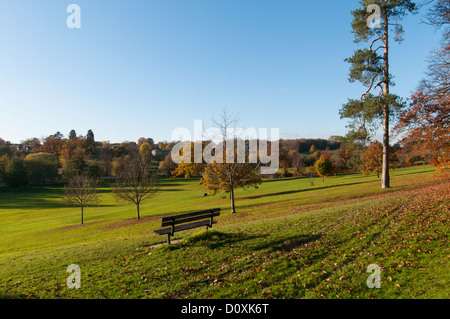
(187, 221)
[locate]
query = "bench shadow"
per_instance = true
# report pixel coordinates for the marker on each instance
(223, 239)
(217, 240)
(212, 240)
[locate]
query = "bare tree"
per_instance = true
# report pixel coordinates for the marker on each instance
(81, 191)
(134, 183)
(298, 161)
(439, 14)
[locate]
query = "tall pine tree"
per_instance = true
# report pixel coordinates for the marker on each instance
(370, 66)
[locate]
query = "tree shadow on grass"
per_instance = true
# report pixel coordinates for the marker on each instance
(295, 191)
(289, 243)
(409, 173)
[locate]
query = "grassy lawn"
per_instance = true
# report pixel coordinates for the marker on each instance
(289, 239)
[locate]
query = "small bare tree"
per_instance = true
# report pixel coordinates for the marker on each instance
(229, 174)
(134, 183)
(81, 191)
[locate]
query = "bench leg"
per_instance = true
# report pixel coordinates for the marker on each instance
(168, 239)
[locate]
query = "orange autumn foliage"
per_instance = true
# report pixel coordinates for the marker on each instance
(427, 127)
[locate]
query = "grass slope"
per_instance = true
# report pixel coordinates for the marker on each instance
(288, 240)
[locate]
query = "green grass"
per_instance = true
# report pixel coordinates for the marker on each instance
(288, 240)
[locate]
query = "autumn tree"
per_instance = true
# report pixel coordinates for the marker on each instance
(134, 183)
(285, 161)
(188, 170)
(298, 161)
(425, 124)
(167, 166)
(229, 177)
(371, 67)
(341, 157)
(143, 140)
(145, 151)
(188, 167)
(53, 145)
(81, 191)
(372, 159)
(323, 167)
(229, 173)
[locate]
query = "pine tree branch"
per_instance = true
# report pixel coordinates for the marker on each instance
(373, 42)
(371, 85)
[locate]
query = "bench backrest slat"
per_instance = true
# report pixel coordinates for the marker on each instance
(178, 221)
(199, 215)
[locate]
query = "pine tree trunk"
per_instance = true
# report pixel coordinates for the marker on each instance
(385, 178)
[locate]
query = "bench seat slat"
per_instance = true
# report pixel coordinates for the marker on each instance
(168, 230)
(178, 221)
(169, 218)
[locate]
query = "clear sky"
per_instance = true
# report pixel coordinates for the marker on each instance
(143, 68)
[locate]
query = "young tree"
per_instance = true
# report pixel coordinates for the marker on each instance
(323, 167)
(134, 183)
(371, 68)
(229, 175)
(81, 191)
(372, 159)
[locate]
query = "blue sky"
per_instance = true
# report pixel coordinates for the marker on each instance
(143, 68)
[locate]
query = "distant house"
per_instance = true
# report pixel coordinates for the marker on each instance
(20, 147)
(157, 151)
